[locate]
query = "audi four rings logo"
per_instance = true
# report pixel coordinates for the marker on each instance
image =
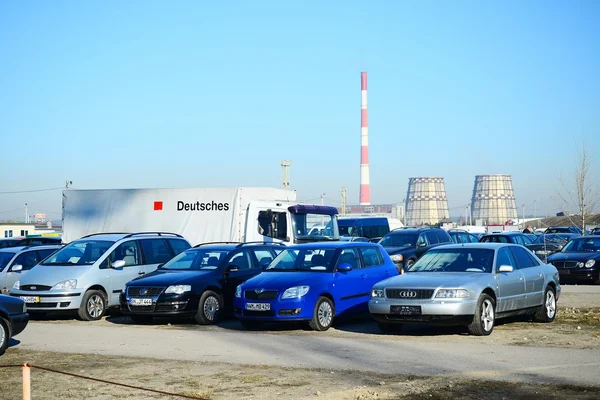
(408, 293)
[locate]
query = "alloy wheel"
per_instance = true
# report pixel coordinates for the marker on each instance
(487, 315)
(550, 304)
(95, 306)
(211, 307)
(325, 314)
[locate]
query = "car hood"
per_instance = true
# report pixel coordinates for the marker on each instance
(166, 278)
(49, 275)
(284, 280)
(432, 280)
(583, 256)
(393, 250)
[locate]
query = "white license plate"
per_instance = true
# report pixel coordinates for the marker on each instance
(140, 302)
(258, 306)
(30, 299)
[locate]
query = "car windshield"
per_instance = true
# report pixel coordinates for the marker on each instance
(320, 260)
(315, 227)
(196, 260)
(399, 240)
(553, 238)
(455, 260)
(5, 257)
(582, 245)
(81, 252)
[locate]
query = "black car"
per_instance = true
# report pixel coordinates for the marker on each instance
(30, 241)
(550, 243)
(462, 236)
(579, 260)
(13, 319)
(406, 245)
(508, 237)
(198, 283)
(563, 229)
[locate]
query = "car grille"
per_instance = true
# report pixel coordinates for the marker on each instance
(142, 308)
(35, 288)
(565, 264)
(266, 295)
(408, 293)
(144, 291)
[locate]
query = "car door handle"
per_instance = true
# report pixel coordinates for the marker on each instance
(520, 278)
(141, 273)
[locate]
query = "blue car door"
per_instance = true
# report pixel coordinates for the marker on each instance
(374, 266)
(350, 289)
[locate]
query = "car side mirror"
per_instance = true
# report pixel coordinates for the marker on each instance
(118, 264)
(16, 268)
(506, 268)
(421, 244)
(344, 267)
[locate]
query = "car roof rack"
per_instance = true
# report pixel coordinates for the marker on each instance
(245, 243)
(207, 243)
(104, 233)
(153, 233)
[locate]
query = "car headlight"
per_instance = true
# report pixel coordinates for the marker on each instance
(397, 258)
(68, 284)
(590, 263)
(377, 293)
(295, 292)
(17, 285)
(238, 292)
(179, 289)
(452, 293)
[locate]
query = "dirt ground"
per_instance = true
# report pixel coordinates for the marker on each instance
(225, 382)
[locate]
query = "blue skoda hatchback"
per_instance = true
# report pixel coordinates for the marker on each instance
(313, 282)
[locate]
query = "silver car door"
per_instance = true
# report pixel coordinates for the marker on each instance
(534, 277)
(511, 285)
(130, 253)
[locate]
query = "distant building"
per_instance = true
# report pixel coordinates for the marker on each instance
(16, 229)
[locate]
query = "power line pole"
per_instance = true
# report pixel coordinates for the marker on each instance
(26, 214)
(285, 165)
(343, 190)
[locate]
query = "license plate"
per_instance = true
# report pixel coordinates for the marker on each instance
(140, 302)
(405, 310)
(30, 299)
(258, 306)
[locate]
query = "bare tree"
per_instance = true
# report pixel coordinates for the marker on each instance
(585, 197)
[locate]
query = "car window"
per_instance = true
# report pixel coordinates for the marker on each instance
(349, 256)
(263, 256)
(432, 237)
(494, 239)
(371, 256)
(178, 245)
(84, 252)
(528, 239)
(241, 260)
(444, 237)
(518, 239)
(472, 238)
(523, 258)
(504, 257)
(26, 259)
(128, 252)
(454, 260)
(421, 241)
(156, 251)
(41, 254)
(5, 257)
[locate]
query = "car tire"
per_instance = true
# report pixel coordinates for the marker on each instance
(141, 319)
(323, 314)
(93, 306)
(485, 316)
(547, 311)
(4, 335)
(251, 324)
(389, 327)
(209, 308)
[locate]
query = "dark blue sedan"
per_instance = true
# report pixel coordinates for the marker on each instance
(13, 319)
(314, 282)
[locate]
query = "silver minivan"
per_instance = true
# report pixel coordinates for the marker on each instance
(15, 262)
(88, 274)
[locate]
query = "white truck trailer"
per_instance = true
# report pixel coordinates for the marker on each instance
(200, 215)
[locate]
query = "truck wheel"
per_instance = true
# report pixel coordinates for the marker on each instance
(547, 311)
(323, 315)
(93, 306)
(484, 318)
(209, 308)
(4, 336)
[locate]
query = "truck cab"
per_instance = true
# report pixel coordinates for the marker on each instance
(292, 222)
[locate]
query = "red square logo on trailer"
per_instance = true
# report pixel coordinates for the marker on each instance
(158, 205)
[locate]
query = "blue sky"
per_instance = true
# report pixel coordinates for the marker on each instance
(113, 94)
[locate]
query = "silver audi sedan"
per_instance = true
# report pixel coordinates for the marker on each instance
(471, 284)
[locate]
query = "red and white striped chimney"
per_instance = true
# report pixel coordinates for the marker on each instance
(365, 187)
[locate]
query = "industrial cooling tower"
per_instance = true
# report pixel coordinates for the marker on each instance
(426, 202)
(493, 200)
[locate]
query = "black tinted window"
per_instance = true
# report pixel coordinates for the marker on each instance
(371, 256)
(156, 251)
(178, 245)
(524, 259)
(432, 237)
(27, 260)
(444, 237)
(495, 239)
